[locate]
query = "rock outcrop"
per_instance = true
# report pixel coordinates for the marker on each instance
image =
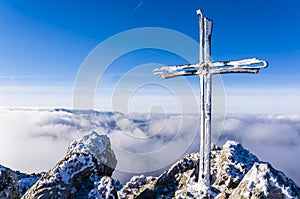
(236, 174)
(263, 181)
(25, 181)
(88, 159)
(85, 172)
(229, 166)
(14, 184)
(8, 183)
(105, 188)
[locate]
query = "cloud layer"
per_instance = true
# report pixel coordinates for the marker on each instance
(33, 140)
(273, 138)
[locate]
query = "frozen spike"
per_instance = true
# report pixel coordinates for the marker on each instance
(199, 12)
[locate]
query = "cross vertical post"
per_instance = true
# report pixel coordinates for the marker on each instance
(205, 68)
(202, 97)
(205, 30)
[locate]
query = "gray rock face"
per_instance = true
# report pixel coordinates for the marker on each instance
(87, 160)
(8, 184)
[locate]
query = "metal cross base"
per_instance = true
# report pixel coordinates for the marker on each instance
(205, 69)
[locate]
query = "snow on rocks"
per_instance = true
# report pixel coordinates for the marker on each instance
(178, 178)
(13, 184)
(230, 165)
(105, 188)
(96, 145)
(86, 160)
(235, 173)
(136, 186)
(263, 181)
(25, 181)
(85, 172)
(8, 183)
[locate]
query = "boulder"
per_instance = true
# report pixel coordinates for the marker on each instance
(87, 160)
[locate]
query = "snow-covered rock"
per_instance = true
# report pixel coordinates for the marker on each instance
(87, 160)
(85, 172)
(105, 188)
(14, 184)
(263, 181)
(177, 182)
(236, 174)
(25, 181)
(230, 164)
(8, 183)
(136, 186)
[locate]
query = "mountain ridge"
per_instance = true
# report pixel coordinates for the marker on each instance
(85, 172)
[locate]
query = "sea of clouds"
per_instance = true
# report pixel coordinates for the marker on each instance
(34, 140)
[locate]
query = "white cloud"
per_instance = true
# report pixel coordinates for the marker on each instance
(273, 138)
(34, 140)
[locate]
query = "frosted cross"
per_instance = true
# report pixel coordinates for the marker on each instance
(205, 69)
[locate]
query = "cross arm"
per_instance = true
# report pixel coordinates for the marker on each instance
(174, 71)
(251, 65)
(167, 75)
(235, 70)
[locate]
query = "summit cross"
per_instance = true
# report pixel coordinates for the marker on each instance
(205, 69)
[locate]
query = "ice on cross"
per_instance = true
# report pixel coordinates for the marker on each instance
(205, 69)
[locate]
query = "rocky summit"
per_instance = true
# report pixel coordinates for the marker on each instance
(87, 160)
(236, 174)
(85, 172)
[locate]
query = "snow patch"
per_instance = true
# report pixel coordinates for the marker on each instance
(105, 188)
(93, 144)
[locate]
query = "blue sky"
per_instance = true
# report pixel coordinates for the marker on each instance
(43, 43)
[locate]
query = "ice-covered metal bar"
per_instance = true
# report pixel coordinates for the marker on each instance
(251, 65)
